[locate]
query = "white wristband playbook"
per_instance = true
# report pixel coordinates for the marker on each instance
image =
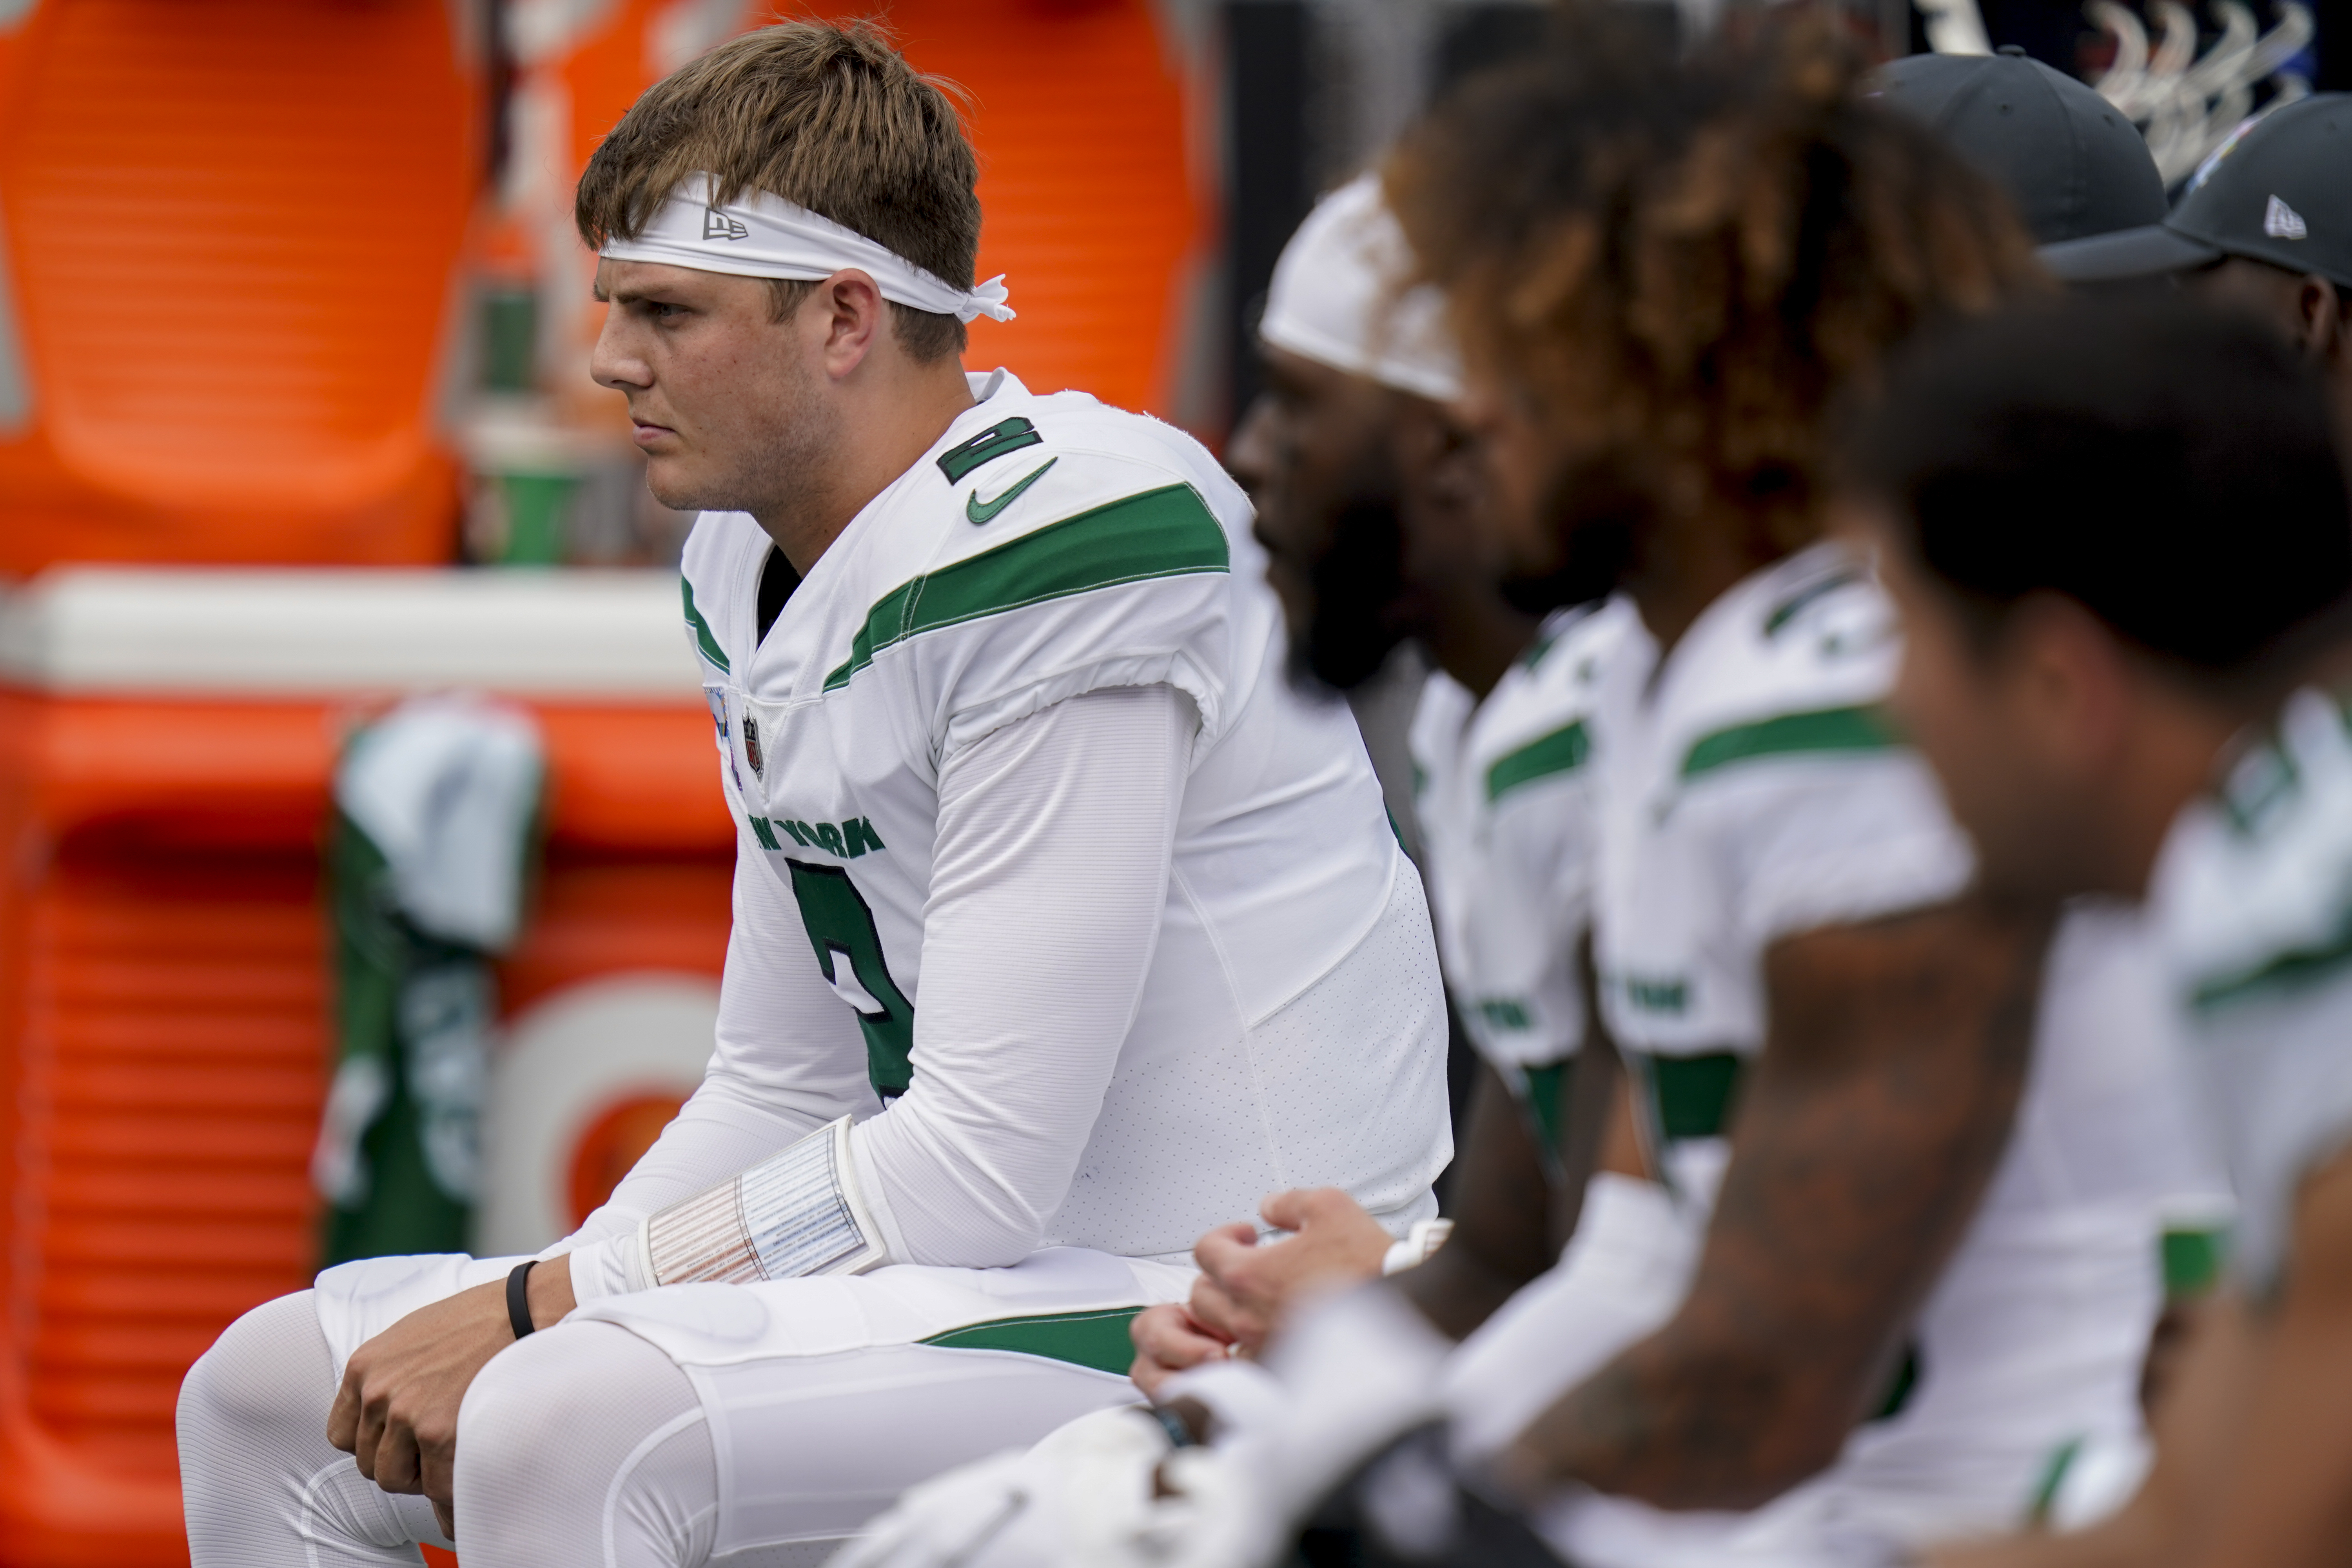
(797, 1213)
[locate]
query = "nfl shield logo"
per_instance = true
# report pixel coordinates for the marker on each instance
(751, 747)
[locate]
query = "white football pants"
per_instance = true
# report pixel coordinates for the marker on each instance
(751, 1425)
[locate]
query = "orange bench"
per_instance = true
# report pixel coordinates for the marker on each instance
(163, 1007)
(229, 246)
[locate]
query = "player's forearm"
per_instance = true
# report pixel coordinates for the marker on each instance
(1868, 1130)
(2277, 1475)
(720, 1132)
(1502, 1229)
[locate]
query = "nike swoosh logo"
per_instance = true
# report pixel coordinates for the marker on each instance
(980, 510)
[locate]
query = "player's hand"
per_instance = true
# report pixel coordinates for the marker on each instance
(397, 1412)
(1246, 1285)
(1167, 1341)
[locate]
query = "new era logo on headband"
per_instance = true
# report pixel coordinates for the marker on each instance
(717, 225)
(2281, 221)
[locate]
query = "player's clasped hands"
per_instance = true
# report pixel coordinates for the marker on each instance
(397, 1412)
(1247, 1284)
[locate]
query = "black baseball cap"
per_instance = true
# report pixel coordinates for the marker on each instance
(2279, 190)
(2072, 164)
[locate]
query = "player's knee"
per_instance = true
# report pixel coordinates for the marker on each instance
(270, 1369)
(574, 1378)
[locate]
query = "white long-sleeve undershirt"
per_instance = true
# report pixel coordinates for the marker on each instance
(1048, 885)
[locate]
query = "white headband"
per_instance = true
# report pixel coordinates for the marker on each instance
(1337, 298)
(761, 235)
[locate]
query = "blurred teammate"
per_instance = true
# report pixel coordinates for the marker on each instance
(2119, 536)
(1923, 1268)
(1365, 505)
(2266, 226)
(1510, 867)
(1894, 1292)
(1064, 928)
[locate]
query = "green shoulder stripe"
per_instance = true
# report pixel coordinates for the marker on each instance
(1097, 1340)
(1796, 604)
(702, 637)
(1007, 436)
(1166, 532)
(1828, 729)
(2286, 971)
(1562, 750)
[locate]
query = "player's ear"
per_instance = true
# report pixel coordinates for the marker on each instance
(2071, 681)
(857, 321)
(2319, 314)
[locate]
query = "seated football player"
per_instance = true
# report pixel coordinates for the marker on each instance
(1921, 1267)
(2120, 539)
(1916, 1267)
(2070, 167)
(1360, 481)
(1064, 927)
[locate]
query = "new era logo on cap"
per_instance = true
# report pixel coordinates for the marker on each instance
(2281, 221)
(717, 225)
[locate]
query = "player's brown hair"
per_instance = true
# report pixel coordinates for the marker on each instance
(831, 118)
(1682, 263)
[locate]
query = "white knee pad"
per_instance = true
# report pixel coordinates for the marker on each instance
(584, 1444)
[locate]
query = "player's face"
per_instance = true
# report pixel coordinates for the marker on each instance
(1518, 467)
(724, 402)
(1314, 453)
(1550, 516)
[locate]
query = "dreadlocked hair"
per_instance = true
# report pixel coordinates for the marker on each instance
(1681, 264)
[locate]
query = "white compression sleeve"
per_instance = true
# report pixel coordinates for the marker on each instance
(721, 1131)
(1048, 885)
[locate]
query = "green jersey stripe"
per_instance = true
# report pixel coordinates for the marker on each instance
(702, 637)
(1167, 533)
(1804, 598)
(2284, 972)
(1562, 750)
(1009, 436)
(2192, 1261)
(1789, 734)
(1690, 1096)
(1543, 1093)
(1097, 1340)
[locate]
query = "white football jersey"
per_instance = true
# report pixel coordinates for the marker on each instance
(1503, 792)
(1290, 1030)
(1748, 791)
(2253, 897)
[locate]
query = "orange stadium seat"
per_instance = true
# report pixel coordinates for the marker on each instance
(163, 1004)
(231, 237)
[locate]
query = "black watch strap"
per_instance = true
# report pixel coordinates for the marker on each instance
(519, 1296)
